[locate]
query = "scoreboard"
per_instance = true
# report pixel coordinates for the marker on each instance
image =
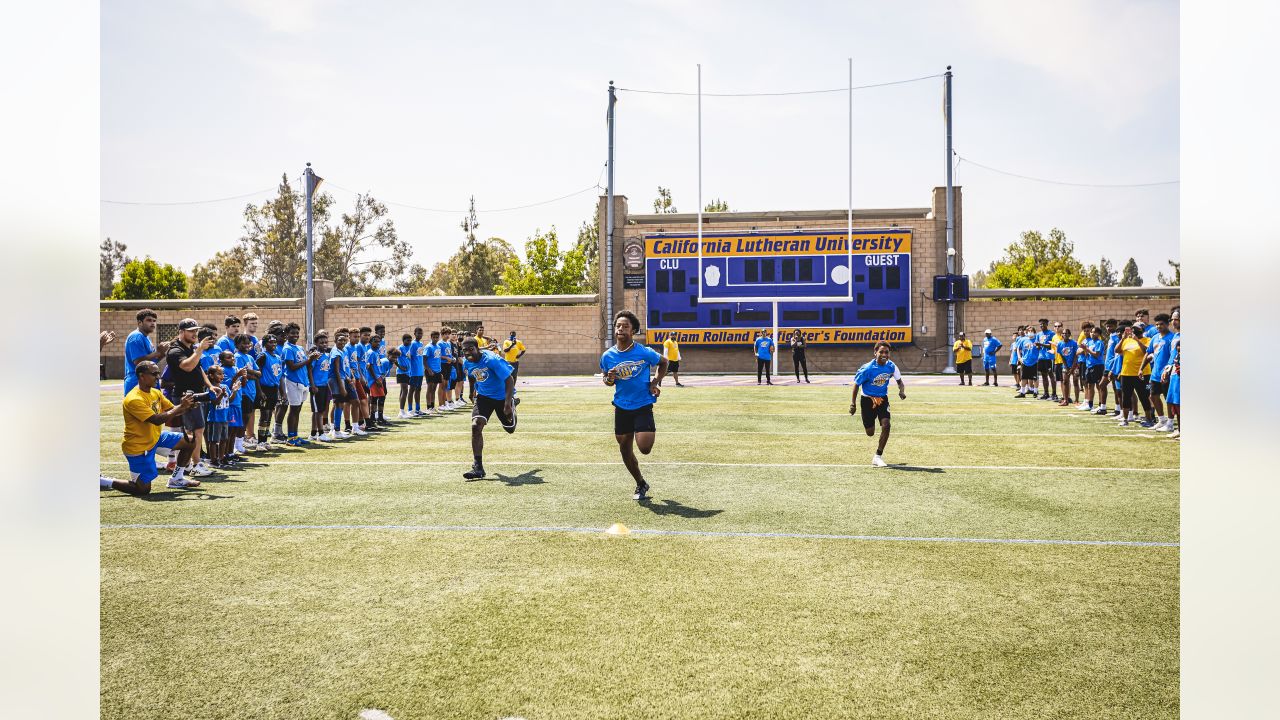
(835, 291)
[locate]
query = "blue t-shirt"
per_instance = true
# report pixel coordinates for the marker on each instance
(378, 364)
(1113, 360)
(354, 355)
(250, 386)
(226, 342)
(631, 391)
(136, 347)
(1151, 330)
(433, 356)
(295, 353)
(209, 358)
(227, 381)
(1067, 349)
(1159, 350)
(446, 350)
(404, 364)
(990, 346)
(764, 348)
(1095, 359)
(272, 368)
(490, 375)
(321, 369)
(219, 410)
(1045, 336)
(874, 378)
(1027, 352)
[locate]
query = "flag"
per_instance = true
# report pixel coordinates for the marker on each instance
(315, 184)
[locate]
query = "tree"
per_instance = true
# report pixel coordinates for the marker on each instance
(1102, 274)
(979, 279)
(1131, 278)
(342, 254)
(471, 222)
(149, 280)
(716, 205)
(222, 276)
(111, 260)
(1036, 261)
(275, 240)
(546, 270)
(663, 203)
(1176, 279)
(589, 244)
(475, 269)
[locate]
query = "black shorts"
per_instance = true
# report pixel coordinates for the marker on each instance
(1028, 372)
(673, 366)
(1057, 371)
(247, 406)
(515, 367)
(965, 367)
(193, 419)
(268, 396)
(433, 378)
(319, 397)
(1044, 367)
(1093, 375)
(1131, 383)
(1158, 388)
(337, 390)
(486, 406)
(871, 414)
(626, 422)
(405, 379)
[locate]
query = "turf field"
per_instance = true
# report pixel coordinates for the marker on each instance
(1020, 561)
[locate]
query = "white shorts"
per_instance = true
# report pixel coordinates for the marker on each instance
(294, 393)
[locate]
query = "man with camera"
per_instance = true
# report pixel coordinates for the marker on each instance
(183, 359)
(146, 410)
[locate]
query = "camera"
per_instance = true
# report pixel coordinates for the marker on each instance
(200, 397)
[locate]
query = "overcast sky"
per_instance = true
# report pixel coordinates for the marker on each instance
(427, 104)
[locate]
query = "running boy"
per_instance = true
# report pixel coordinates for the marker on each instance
(626, 369)
(496, 388)
(873, 379)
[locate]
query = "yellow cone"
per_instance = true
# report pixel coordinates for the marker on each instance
(617, 529)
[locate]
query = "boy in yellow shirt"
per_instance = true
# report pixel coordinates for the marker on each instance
(671, 351)
(964, 357)
(1132, 349)
(146, 410)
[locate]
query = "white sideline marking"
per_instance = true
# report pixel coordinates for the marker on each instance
(826, 432)
(372, 714)
(691, 463)
(692, 533)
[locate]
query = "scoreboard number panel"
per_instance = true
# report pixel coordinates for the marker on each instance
(834, 291)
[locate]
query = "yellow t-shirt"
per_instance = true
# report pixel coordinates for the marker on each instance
(140, 435)
(1057, 338)
(671, 350)
(964, 351)
(1133, 352)
(511, 350)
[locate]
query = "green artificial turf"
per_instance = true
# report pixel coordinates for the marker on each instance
(432, 623)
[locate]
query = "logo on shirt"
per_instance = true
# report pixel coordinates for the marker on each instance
(480, 374)
(881, 379)
(629, 369)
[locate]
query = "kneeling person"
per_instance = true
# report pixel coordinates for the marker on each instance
(146, 410)
(873, 379)
(496, 389)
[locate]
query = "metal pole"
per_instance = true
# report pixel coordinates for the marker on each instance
(849, 240)
(951, 231)
(700, 182)
(309, 174)
(608, 213)
(775, 338)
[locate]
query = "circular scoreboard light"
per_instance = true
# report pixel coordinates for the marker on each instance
(840, 274)
(712, 276)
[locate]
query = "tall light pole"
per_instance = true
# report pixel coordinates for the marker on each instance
(309, 188)
(608, 214)
(951, 229)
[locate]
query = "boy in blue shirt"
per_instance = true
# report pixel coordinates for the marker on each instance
(1029, 358)
(379, 366)
(321, 369)
(446, 369)
(138, 348)
(1044, 366)
(1092, 354)
(272, 367)
(1067, 348)
(1159, 352)
(228, 340)
(990, 346)
(873, 380)
(496, 389)
(625, 368)
(764, 347)
(297, 380)
(404, 376)
(245, 361)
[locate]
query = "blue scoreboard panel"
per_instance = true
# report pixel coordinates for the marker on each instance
(833, 291)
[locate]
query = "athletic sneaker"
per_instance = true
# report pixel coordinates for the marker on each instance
(182, 483)
(357, 430)
(475, 473)
(201, 469)
(328, 437)
(877, 461)
(1166, 426)
(1175, 434)
(1146, 423)
(1020, 394)
(341, 435)
(642, 492)
(265, 447)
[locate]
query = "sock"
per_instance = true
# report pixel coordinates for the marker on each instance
(104, 482)
(239, 445)
(479, 462)
(337, 417)
(177, 474)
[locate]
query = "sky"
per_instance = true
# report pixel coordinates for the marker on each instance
(429, 104)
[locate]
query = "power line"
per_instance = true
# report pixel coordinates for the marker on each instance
(593, 186)
(1063, 182)
(192, 202)
(777, 94)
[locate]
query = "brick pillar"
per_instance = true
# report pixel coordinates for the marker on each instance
(323, 291)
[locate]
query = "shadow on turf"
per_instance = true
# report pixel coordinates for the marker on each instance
(171, 495)
(914, 468)
(525, 478)
(673, 507)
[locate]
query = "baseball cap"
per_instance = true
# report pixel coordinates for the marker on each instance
(188, 324)
(988, 331)
(961, 333)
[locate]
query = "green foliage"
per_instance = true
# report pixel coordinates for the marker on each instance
(663, 203)
(979, 279)
(111, 260)
(1131, 278)
(589, 244)
(716, 205)
(1036, 261)
(471, 222)
(1174, 280)
(546, 270)
(149, 280)
(475, 269)
(275, 240)
(342, 254)
(1102, 274)
(223, 276)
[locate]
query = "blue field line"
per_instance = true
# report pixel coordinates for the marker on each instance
(691, 533)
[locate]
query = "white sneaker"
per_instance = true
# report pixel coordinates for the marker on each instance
(341, 435)
(329, 437)
(319, 438)
(401, 416)
(1123, 423)
(356, 430)
(182, 483)
(265, 447)
(201, 470)
(877, 461)
(1082, 406)
(1175, 434)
